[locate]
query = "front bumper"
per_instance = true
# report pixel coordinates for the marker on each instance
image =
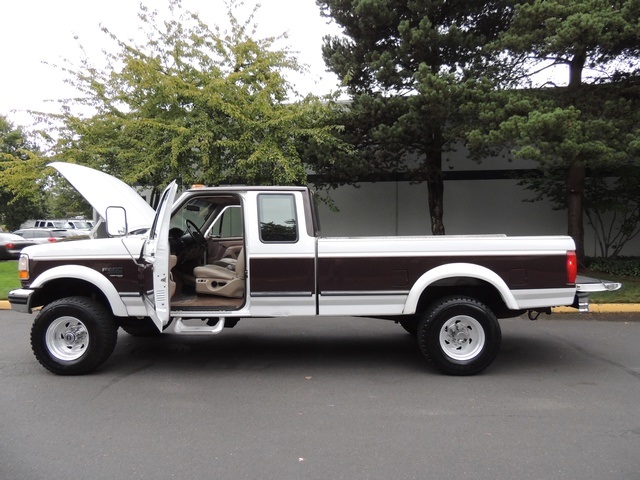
(587, 285)
(20, 300)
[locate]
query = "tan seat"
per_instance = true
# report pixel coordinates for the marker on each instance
(225, 281)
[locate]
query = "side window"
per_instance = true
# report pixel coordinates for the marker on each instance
(277, 217)
(229, 224)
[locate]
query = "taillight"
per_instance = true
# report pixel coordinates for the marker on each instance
(572, 267)
(9, 246)
(51, 239)
(23, 267)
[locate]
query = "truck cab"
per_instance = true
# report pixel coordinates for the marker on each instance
(225, 259)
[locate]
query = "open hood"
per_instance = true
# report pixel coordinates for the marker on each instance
(102, 190)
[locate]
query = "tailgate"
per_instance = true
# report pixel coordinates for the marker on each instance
(587, 285)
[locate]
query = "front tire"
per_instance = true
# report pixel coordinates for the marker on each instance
(459, 336)
(73, 335)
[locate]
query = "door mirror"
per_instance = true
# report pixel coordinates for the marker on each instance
(116, 221)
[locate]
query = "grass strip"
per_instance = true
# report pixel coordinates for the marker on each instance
(8, 277)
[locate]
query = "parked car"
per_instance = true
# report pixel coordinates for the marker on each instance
(47, 235)
(80, 224)
(59, 224)
(11, 245)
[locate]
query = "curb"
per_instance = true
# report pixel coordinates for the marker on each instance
(593, 308)
(603, 308)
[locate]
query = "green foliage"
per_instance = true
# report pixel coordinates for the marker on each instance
(612, 207)
(620, 266)
(21, 184)
(63, 201)
(589, 127)
(195, 103)
(592, 33)
(412, 68)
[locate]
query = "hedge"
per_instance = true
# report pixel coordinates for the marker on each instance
(627, 266)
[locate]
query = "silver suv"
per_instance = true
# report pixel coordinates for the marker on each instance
(52, 224)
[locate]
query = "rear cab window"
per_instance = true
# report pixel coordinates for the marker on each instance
(277, 218)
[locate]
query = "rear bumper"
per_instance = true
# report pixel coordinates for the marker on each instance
(587, 285)
(20, 300)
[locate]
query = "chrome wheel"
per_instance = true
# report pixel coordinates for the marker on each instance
(462, 337)
(459, 335)
(67, 338)
(73, 335)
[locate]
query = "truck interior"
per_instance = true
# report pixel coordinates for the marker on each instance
(207, 262)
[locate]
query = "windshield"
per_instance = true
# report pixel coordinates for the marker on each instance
(198, 210)
(203, 212)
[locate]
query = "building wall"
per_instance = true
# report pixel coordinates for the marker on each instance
(477, 201)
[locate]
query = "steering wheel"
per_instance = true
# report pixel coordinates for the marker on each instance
(196, 234)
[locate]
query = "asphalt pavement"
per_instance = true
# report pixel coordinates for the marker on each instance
(329, 398)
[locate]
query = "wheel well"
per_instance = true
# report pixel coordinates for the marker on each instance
(67, 287)
(471, 287)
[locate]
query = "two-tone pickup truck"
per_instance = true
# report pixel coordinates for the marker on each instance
(217, 255)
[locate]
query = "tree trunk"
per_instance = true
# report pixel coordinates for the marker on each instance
(435, 186)
(435, 183)
(577, 171)
(575, 205)
(575, 70)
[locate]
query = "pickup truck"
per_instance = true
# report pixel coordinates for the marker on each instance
(220, 254)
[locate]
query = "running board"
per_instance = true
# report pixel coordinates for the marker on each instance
(177, 326)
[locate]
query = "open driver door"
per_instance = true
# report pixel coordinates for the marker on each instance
(156, 253)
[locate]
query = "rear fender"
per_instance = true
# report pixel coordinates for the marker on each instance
(452, 270)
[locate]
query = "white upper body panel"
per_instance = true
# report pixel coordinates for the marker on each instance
(127, 247)
(439, 245)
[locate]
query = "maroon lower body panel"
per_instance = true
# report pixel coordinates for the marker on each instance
(278, 276)
(336, 274)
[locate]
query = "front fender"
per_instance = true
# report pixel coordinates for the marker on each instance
(88, 275)
(451, 270)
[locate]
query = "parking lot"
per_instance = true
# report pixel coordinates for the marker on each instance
(329, 398)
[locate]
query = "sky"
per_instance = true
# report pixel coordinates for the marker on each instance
(35, 33)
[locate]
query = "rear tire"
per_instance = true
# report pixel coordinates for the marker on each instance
(73, 335)
(459, 336)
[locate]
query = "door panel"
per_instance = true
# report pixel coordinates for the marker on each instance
(156, 253)
(282, 256)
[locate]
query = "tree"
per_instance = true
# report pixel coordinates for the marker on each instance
(21, 188)
(194, 103)
(611, 202)
(592, 123)
(612, 208)
(410, 67)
